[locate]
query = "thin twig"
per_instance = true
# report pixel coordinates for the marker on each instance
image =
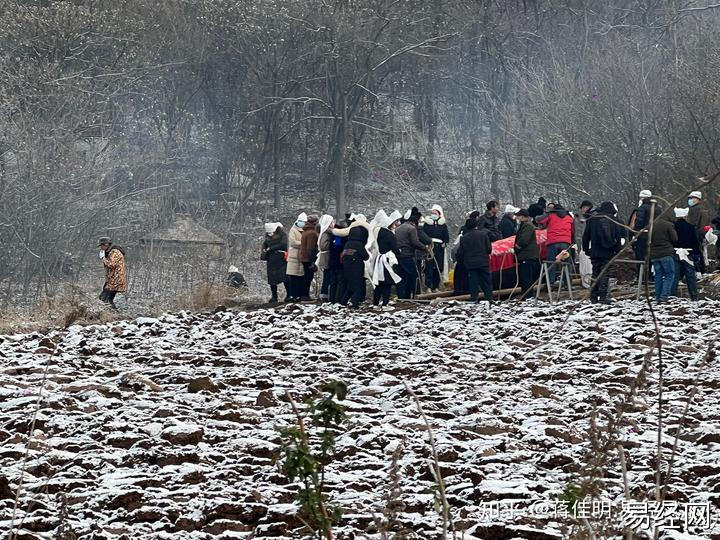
(436, 465)
(623, 465)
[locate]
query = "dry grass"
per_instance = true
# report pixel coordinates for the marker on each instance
(209, 295)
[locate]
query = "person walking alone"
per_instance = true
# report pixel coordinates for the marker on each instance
(113, 260)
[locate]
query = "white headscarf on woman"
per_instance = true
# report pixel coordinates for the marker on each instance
(326, 221)
(270, 228)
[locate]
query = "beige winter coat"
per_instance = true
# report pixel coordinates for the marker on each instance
(294, 265)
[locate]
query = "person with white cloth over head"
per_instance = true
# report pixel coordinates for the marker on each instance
(383, 273)
(436, 228)
(274, 253)
(325, 240)
(295, 269)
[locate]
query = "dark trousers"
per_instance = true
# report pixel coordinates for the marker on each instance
(307, 278)
(599, 290)
(297, 286)
(325, 287)
(382, 292)
(336, 285)
(274, 290)
(108, 297)
(432, 272)
(460, 279)
(553, 250)
(354, 270)
(480, 278)
(408, 273)
(687, 271)
(528, 273)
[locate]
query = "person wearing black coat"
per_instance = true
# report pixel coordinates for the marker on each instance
(687, 239)
(460, 275)
(474, 251)
(336, 277)
(602, 240)
(353, 260)
(490, 221)
(273, 251)
(642, 220)
(537, 209)
(507, 226)
(422, 255)
(386, 243)
(437, 230)
(408, 245)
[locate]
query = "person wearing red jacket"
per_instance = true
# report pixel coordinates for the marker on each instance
(560, 227)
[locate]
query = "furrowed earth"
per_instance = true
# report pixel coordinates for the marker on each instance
(167, 427)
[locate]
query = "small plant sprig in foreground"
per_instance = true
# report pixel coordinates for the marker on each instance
(304, 455)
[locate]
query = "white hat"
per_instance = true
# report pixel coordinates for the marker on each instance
(381, 219)
(395, 216)
(645, 194)
(681, 212)
(302, 217)
(233, 269)
(438, 209)
(359, 217)
(271, 227)
(696, 194)
(407, 214)
(510, 209)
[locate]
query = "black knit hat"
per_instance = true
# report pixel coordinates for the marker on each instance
(607, 208)
(522, 212)
(415, 214)
(470, 224)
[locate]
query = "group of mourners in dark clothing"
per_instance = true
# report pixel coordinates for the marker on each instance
(388, 250)
(412, 252)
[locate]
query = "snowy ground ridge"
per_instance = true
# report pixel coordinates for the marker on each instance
(166, 427)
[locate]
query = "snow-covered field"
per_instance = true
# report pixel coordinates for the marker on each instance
(132, 442)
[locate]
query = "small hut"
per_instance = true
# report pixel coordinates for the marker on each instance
(184, 236)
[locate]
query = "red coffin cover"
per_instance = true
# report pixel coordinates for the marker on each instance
(502, 259)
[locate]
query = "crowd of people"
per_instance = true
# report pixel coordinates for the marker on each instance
(414, 253)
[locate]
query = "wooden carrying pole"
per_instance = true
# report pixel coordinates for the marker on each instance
(496, 294)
